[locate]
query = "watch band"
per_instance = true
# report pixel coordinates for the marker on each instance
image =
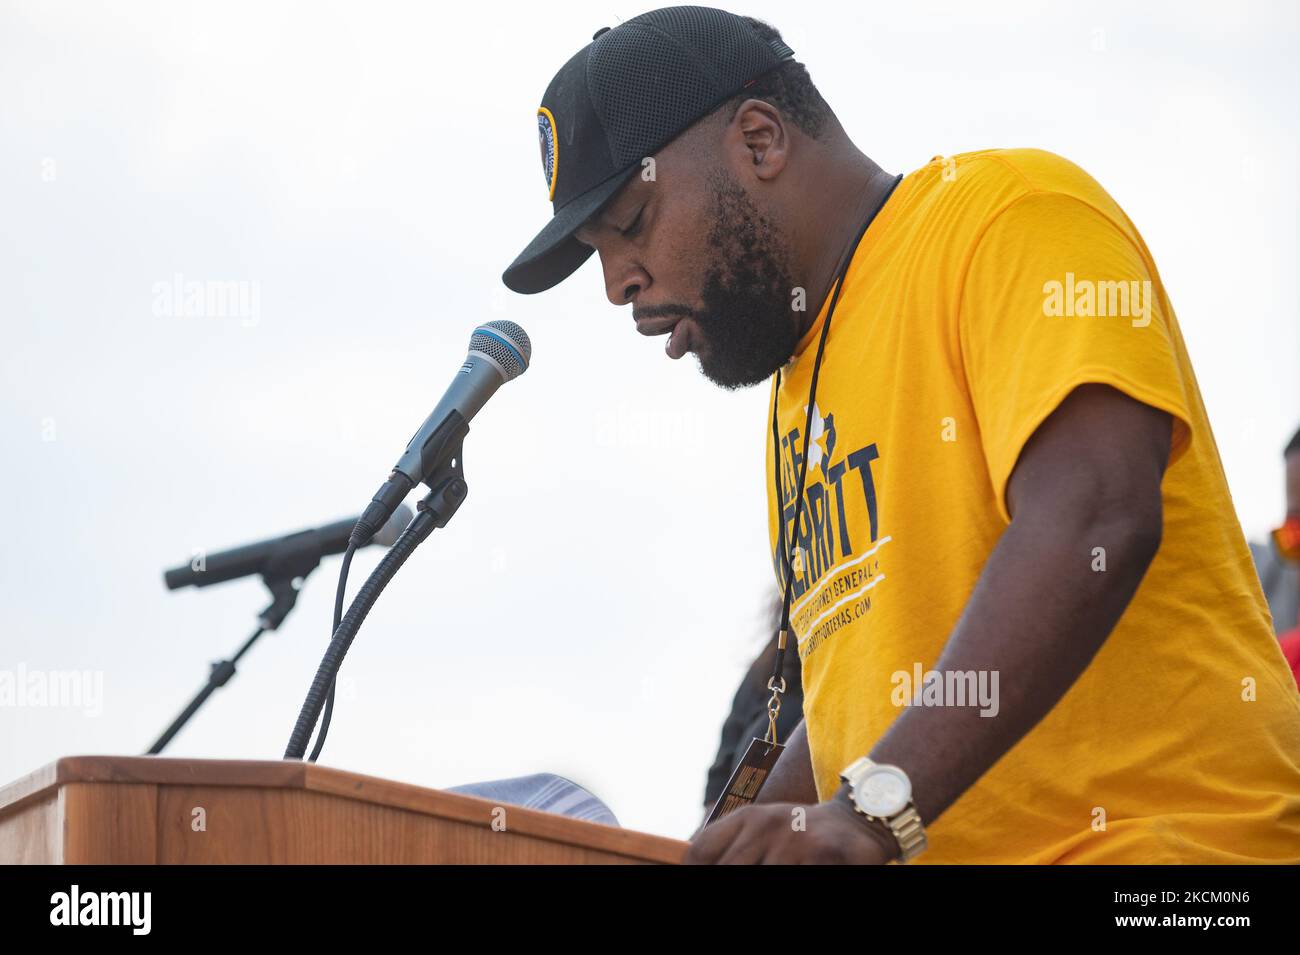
(910, 833)
(905, 825)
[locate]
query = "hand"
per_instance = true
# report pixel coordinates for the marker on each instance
(833, 833)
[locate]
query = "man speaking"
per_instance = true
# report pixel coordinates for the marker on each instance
(1027, 619)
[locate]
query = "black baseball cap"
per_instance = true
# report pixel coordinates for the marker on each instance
(622, 97)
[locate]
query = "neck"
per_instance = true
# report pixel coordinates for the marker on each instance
(851, 189)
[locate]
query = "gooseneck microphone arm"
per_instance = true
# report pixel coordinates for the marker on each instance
(435, 510)
(499, 351)
(451, 428)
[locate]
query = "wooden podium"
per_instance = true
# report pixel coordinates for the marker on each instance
(147, 810)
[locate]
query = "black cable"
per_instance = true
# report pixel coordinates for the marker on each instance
(339, 593)
(414, 535)
(787, 552)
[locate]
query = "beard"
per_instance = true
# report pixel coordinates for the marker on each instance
(746, 321)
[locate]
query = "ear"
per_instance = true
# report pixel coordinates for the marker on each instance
(758, 139)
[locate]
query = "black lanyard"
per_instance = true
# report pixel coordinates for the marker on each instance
(777, 683)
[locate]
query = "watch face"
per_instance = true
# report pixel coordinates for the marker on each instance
(885, 791)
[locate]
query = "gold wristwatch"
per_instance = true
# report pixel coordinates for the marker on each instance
(883, 793)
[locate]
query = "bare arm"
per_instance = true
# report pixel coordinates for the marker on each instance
(1065, 499)
(1090, 477)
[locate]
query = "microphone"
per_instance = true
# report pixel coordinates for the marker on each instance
(294, 555)
(499, 351)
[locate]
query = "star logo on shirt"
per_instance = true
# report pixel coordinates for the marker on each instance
(821, 438)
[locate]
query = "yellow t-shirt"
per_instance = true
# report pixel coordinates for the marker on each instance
(990, 286)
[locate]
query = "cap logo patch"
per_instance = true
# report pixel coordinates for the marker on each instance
(549, 144)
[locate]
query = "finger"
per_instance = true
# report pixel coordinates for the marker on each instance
(747, 845)
(747, 848)
(779, 851)
(786, 846)
(708, 845)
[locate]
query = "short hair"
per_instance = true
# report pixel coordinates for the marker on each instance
(1292, 446)
(788, 87)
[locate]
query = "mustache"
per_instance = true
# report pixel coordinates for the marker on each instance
(661, 311)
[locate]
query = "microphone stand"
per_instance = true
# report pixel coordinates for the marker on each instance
(447, 492)
(284, 576)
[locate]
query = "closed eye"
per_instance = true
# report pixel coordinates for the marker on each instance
(635, 227)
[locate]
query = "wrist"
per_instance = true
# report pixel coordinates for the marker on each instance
(875, 829)
(880, 794)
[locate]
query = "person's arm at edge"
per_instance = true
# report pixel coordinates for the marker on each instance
(1088, 477)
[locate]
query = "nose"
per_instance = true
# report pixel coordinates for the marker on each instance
(624, 279)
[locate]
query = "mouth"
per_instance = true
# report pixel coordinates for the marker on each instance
(680, 332)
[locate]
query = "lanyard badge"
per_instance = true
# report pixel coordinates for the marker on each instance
(760, 756)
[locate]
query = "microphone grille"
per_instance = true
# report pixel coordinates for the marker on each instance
(505, 343)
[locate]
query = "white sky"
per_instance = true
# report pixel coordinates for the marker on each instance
(373, 168)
